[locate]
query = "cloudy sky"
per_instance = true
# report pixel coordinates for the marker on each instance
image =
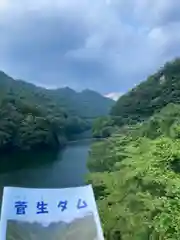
(105, 45)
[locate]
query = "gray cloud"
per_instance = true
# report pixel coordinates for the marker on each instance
(106, 45)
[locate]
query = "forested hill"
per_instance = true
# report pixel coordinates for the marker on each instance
(86, 104)
(33, 117)
(135, 172)
(150, 96)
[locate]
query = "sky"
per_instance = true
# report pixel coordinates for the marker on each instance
(105, 45)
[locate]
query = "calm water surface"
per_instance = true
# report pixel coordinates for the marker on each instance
(48, 170)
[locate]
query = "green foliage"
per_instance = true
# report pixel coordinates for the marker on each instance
(175, 130)
(136, 179)
(161, 123)
(33, 117)
(150, 96)
(75, 125)
(86, 104)
(140, 197)
(100, 159)
(24, 128)
(103, 127)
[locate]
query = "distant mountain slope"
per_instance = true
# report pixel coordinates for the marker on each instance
(32, 116)
(86, 104)
(79, 229)
(150, 96)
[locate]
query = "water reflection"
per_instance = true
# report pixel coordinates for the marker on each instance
(67, 168)
(46, 169)
(24, 160)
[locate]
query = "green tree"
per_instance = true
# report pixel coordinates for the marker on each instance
(103, 127)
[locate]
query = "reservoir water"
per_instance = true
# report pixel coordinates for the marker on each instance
(47, 170)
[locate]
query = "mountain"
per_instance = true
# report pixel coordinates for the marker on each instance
(78, 229)
(135, 173)
(150, 96)
(35, 117)
(86, 104)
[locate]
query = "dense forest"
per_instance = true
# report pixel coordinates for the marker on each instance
(32, 117)
(150, 96)
(136, 171)
(87, 104)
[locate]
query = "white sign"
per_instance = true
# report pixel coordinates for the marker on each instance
(49, 214)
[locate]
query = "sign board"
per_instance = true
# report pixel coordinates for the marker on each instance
(36, 214)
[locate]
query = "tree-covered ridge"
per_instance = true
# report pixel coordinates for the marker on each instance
(103, 127)
(24, 127)
(136, 179)
(150, 96)
(82, 228)
(87, 104)
(34, 117)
